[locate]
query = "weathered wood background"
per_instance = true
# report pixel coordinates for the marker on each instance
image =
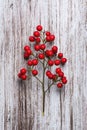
(21, 103)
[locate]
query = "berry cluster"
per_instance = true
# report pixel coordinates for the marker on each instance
(47, 57)
(22, 74)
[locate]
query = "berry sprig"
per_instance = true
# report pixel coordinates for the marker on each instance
(48, 57)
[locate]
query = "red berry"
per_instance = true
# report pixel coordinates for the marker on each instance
(54, 77)
(58, 70)
(48, 72)
(26, 55)
(41, 56)
(34, 62)
(59, 85)
(42, 46)
(52, 37)
(63, 60)
(23, 71)
(50, 76)
(64, 80)
(29, 52)
(50, 62)
(61, 74)
(31, 38)
(30, 63)
(63, 77)
(19, 75)
(48, 33)
(36, 34)
(57, 62)
(39, 27)
(23, 77)
(54, 49)
(37, 47)
(34, 72)
(49, 53)
(60, 55)
(26, 48)
(48, 39)
(46, 52)
(37, 39)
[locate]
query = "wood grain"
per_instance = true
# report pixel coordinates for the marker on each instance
(21, 102)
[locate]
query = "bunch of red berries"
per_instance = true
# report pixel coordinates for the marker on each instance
(48, 57)
(22, 74)
(40, 54)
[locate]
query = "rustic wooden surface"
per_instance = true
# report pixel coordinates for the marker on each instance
(21, 102)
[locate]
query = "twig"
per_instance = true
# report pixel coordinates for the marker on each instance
(49, 87)
(39, 80)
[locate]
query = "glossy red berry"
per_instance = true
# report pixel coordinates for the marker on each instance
(61, 74)
(23, 71)
(29, 52)
(52, 37)
(60, 55)
(30, 63)
(50, 76)
(26, 48)
(36, 34)
(57, 62)
(19, 75)
(63, 60)
(31, 38)
(39, 28)
(49, 53)
(37, 47)
(50, 62)
(37, 40)
(54, 76)
(48, 33)
(26, 55)
(34, 62)
(64, 77)
(58, 70)
(34, 72)
(59, 85)
(46, 52)
(42, 46)
(48, 72)
(64, 80)
(23, 77)
(48, 39)
(41, 56)
(54, 49)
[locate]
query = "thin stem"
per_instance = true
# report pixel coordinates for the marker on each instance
(43, 87)
(45, 60)
(46, 66)
(58, 80)
(51, 85)
(39, 80)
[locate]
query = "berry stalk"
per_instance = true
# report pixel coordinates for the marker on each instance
(43, 87)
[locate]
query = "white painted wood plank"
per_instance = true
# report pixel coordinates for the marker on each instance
(21, 102)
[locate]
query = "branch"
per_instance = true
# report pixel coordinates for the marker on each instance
(39, 80)
(51, 85)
